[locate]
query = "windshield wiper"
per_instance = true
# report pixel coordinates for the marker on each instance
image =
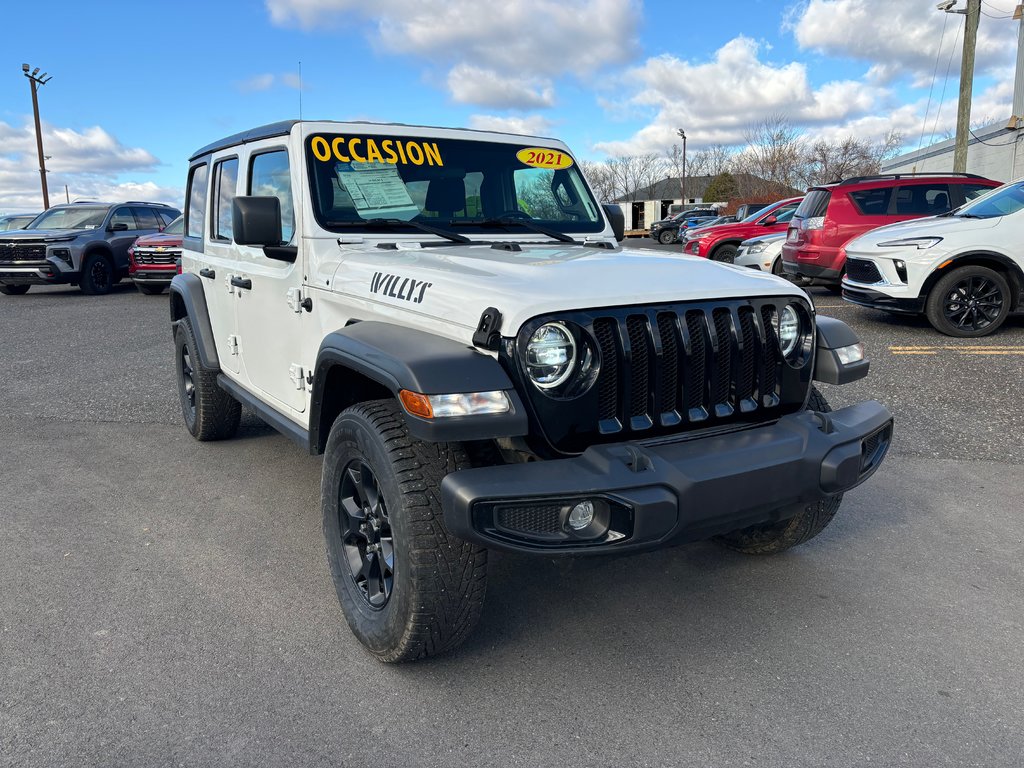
(970, 216)
(529, 224)
(391, 223)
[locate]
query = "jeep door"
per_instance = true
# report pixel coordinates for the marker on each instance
(269, 318)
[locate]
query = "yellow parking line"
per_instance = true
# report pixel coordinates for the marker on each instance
(913, 352)
(991, 351)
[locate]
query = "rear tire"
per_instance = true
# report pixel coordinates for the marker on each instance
(14, 290)
(407, 587)
(772, 538)
(150, 290)
(969, 302)
(210, 413)
(97, 276)
(725, 254)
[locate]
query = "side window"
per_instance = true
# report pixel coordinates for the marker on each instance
(872, 202)
(123, 216)
(269, 176)
(166, 215)
(922, 199)
(195, 206)
(225, 178)
(972, 191)
(146, 218)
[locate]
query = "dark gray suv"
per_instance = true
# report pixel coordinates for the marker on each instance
(83, 243)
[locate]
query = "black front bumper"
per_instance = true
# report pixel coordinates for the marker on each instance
(650, 495)
(865, 297)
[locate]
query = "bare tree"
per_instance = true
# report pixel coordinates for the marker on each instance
(710, 161)
(775, 154)
(601, 179)
(633, 174)
(826, 161)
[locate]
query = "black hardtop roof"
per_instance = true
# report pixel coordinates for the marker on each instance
(284, 127)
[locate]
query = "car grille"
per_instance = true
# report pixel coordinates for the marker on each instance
(862, 271)
(154, 256)
(12, 251)
(674, 368)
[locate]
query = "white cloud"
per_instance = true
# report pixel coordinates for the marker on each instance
(267, 81)
(473, 85)
(530, 125)
(900, 38)
(90, 162)
(525, 41)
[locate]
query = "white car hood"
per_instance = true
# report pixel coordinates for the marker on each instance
(933, 226)
(457, 283)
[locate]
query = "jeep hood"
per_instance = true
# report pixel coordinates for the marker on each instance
(456, 284)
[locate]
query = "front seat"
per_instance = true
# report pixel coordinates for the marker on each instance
(445, 196)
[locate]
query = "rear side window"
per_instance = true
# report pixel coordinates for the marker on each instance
(814, 205)
(225, 178)
(872, 202)
(972, 191)
(922, 199)
(146, 218)
(195, 206)
(167, 215)
(269, 176)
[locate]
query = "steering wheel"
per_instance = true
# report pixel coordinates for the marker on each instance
(513, 215)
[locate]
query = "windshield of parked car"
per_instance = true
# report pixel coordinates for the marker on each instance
(1001, 201)
(379, 182)
(176, 227)
(73, 217)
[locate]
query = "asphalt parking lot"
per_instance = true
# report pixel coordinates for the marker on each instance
(167, 602)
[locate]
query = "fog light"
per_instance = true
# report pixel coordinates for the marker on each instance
(581, 515)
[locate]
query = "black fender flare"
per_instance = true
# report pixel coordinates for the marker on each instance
(400, 358)
(188, 299)
(833, 334)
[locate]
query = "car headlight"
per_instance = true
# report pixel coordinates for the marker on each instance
(789, 330)
(756, 247)
(912, 242)
(550, 355)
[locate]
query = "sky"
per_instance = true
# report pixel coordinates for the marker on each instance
(137, 87)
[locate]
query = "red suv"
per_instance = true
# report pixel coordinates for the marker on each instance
(153, 259)
(833, 214)
(721, 242)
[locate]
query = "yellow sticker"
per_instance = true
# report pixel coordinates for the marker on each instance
(538, 157)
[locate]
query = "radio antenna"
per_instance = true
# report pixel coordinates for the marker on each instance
(300, 91)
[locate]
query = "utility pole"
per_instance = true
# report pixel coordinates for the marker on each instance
(35, 80)
(963, 110)
(682, 135)
(1018, 82)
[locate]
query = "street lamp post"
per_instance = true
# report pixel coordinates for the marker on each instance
(35, 80)
(682, 135)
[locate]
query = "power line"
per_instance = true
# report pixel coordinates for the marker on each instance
(989, 143)
(935, 71)
(945, 81)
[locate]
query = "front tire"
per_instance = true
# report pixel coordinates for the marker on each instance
(407, 587)
(14, 290)
(969, 302)
(725, 254)
(774, 537)
(97, 275)
(666, 237)
(210, 413)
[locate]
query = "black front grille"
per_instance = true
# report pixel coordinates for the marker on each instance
(862, 271)
(669, 368)
(538, 519)
(13, 251)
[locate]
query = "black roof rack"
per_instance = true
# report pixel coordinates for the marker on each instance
(882, 176)
(146, 202)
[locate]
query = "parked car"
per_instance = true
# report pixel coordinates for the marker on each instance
(833, 214)
(16, 221)
(749, 209)
(463, 400)
(763, 253)
(152, 260)
(721, 242)
(963, 270)
(79, 243)
(694, 222)
(667, 230)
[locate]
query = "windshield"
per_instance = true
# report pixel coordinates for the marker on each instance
(1001, 201)
(370, 182)
(176, 227)
(74, 217)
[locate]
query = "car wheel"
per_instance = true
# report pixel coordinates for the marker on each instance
(725, 253)
(774, 537)
(14, 290)
(407, 587)
(210, 413)
(666, 238)
(968, 302)
(150, 290)
(97, 276)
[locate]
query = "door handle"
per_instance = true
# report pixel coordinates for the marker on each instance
(209, 273)
(239, 282)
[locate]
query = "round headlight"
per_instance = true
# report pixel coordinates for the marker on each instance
(550, 354)
(789, 330)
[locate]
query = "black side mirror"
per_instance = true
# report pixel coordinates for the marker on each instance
(119, 226)
(256, 220)
(617, 219)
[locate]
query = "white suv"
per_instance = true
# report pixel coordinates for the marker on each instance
(446, 315)
(964, 269)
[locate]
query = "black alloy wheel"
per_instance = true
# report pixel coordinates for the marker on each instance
(666, 237)
(97, 275)
(973, 304)
(366, 533)
(188, 381)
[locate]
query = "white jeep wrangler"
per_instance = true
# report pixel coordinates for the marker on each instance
(447, 316)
